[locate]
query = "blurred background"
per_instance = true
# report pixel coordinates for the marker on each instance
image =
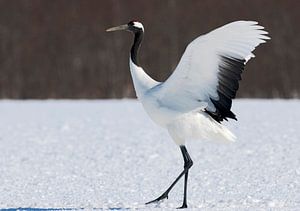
(59, 48)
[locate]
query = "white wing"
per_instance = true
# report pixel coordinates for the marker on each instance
(210, 68)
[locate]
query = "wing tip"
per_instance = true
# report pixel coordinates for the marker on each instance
(255, 26)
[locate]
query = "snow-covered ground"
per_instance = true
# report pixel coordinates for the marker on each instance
(108, 154)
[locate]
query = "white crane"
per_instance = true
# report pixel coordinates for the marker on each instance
(197, 97)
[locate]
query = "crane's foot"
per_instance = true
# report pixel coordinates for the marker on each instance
(162, 197)
(184, 205)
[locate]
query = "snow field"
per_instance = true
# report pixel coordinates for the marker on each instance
(107, 154)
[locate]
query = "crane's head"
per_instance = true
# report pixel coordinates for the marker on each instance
(132, 26)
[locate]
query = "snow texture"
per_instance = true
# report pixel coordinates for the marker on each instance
(108, 154)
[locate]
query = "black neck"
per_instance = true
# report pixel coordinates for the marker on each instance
(138, 37)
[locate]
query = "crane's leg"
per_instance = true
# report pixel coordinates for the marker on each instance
(187, 165)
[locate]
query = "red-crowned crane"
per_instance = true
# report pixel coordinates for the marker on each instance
(197, 97)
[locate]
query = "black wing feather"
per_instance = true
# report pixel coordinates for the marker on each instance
(230, 70)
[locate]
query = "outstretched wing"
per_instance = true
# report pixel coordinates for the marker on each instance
(210, 69)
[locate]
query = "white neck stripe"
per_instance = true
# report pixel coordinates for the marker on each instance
(138, 25)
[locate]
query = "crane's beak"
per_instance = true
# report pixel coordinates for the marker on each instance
(118, 28)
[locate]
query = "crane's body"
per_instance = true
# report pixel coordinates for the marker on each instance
(182, 126)
(197, 97)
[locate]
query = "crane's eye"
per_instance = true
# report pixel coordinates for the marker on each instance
(131, 23)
